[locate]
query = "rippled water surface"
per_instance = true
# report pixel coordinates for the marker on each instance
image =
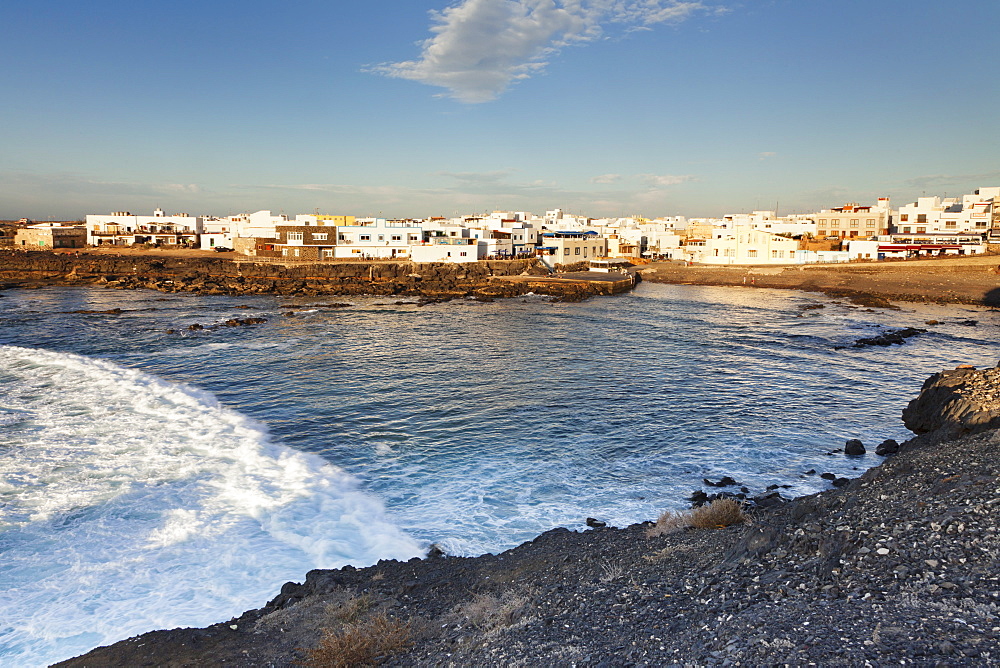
(154, 479)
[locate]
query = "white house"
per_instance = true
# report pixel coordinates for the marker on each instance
(568, 247)
(973, 213)
(741, 245)
(377, 238)
(122, 228)
(449, 249)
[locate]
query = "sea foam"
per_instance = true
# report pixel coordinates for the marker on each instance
(130, 503)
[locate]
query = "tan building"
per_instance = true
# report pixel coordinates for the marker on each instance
(45, 236)
(853, 220)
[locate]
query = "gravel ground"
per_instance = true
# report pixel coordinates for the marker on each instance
(899, 566)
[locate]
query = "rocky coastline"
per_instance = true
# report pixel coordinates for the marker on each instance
(430, 282)
(898, 566)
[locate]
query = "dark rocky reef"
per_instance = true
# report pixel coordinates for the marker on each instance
(432, 282)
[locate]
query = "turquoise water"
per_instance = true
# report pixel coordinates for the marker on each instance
(154, 480)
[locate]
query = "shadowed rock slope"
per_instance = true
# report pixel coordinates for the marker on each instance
(899, 566)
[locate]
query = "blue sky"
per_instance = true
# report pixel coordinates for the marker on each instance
(419, 108)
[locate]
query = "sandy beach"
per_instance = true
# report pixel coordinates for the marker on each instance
(955, 280)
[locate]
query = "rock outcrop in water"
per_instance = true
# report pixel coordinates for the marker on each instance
(434, 281)
(898, 565)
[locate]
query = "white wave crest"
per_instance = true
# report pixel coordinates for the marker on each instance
(129, 503)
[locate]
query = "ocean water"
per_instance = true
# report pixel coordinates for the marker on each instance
(152, 479)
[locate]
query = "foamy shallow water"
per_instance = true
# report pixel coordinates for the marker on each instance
(154, 480)
(130, 503)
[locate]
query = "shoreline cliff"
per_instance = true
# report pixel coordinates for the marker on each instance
(898, 566)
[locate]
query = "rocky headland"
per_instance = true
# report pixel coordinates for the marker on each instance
(435, 281)
(899, 566)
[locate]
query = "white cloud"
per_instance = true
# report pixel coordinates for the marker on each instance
(480, 47)
(606, 178)
(766, 154)
(664, 180)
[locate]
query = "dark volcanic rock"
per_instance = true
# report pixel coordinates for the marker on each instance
(854, 447)
(894, 337)
(887, 447)
(954, 402)
(725, 481)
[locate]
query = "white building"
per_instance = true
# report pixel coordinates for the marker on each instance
(122, 228)
(973, 213)
(741, 245)
(568, 247)
(449, 249)
(769, 221)
(377, 238)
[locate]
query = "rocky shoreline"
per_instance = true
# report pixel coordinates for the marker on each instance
(898, 566)
(220, 276)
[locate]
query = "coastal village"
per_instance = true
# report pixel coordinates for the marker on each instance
(930, 226)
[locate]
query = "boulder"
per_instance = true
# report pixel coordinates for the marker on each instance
(854, 447)
(887, 447)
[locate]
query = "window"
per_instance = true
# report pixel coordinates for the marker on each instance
(577, 250)
(821, 233)
(327, 252)
(774, 255)
(906, 230)
(413, 237)
(320, 236)
(381, 237)
(397, 237)
(822, 221)
(854, 222)
(463, 253)
(834, 224)
(752, 253)
(297, 252)
(950, 224)
(294, 236)
(342, 237)
(903, 217)
(921, 217)
(870, 222)
(921, 230)
(565, 251)
(365, 237)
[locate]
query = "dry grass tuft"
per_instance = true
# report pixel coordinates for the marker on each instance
(669, 522)
(351, 610)
(366, 643)
(720, 513)
(486, 611)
